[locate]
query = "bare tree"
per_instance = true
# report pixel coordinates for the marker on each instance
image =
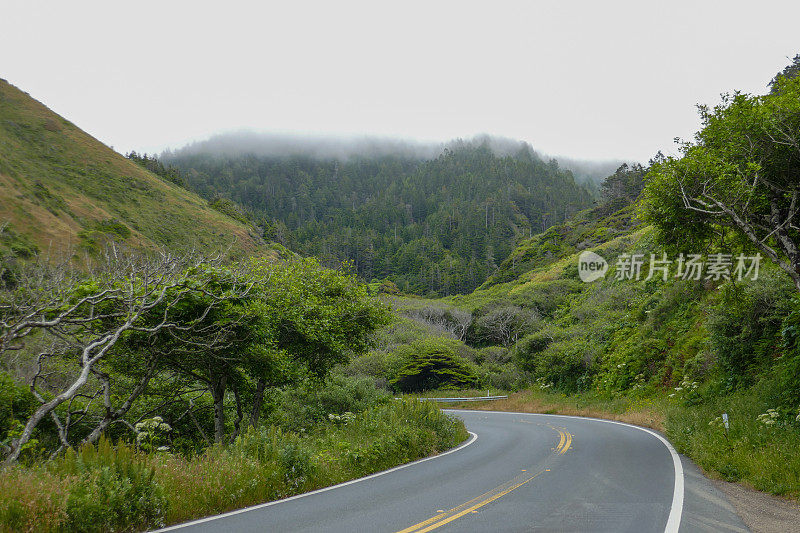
(505, 324)
(86, 316)
(452, 321)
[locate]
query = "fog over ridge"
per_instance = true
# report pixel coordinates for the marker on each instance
(343, 147)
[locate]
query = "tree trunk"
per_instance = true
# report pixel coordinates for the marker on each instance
(218, 393)
(43, 411)
(258, 400)
(237, 424)
(112, 415)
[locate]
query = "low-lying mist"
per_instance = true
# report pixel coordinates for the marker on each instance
(278, 145)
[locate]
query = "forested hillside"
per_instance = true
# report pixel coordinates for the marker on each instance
(433, 226)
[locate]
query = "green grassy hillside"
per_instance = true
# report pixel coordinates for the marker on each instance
(61, 189)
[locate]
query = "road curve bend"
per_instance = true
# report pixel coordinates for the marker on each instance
(517, 472)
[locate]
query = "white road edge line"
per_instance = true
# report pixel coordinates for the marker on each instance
(676, 511)
(472, 439)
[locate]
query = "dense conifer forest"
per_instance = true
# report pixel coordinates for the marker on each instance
(433, 226)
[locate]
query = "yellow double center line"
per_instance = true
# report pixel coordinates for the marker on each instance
(566, 441)
(474, 504)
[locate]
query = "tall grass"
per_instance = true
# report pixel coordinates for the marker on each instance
(760, 451)
(117, 488)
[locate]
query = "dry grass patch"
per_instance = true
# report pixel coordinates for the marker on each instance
(646, 412)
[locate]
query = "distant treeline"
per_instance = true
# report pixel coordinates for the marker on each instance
(433, 226)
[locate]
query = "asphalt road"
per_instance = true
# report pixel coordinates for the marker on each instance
(518, 472)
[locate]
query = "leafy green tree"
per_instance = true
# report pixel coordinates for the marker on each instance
(264, 326)
(739, 180)
(623, 186)
(791, 71)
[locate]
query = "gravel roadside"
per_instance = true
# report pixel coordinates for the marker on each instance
(762, 512)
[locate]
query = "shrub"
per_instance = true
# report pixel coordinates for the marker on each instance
(503, 324)
(448, 320)
(527, 351)
(764, 455)
(115, 489)
(229, 208)
(16, 402)
(745, 326)
(432, 364)
(311, 402)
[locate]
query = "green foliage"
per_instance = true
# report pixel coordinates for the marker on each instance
(152, 434)
(19, 245)
(760, 454)
(432, 364)
(101, 232)
(528, 350)
(432, 227)
(745, 326)
(151, 163)
(586, 229)
(624, 186)
(319, 316)
(783, 379)
(312, 402)
(227, 207)
(738, 182)
(16, 403)
(115, 489)
(789, 72)
(114, 227)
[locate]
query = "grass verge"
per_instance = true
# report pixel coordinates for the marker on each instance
(642, 411)
(117, 488)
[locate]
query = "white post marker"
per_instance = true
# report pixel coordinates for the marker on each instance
(725, 421)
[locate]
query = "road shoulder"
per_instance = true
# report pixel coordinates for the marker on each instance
(762, 512)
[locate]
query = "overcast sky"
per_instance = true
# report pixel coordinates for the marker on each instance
(594, 79)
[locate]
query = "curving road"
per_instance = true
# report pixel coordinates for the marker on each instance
(518, 472)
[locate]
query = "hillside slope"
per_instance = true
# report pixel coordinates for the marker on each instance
(62, 189)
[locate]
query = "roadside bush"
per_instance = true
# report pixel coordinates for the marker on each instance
(432, 364)
(492, 354)
(526, 353)
(115, 489)
(745, 327)
(378, 365)
(506, 377)
(759, 449)
(311, 402)
(781, 384)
